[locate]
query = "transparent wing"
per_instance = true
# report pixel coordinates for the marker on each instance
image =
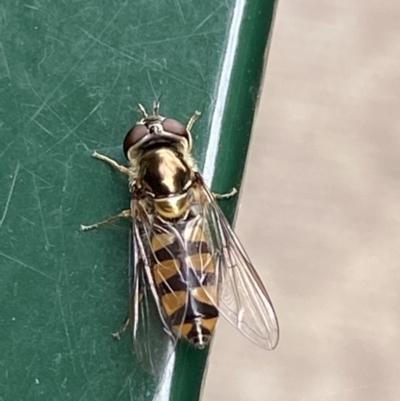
(153, 338)
(242, 297)
(153, 345)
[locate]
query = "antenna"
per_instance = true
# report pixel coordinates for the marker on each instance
(156, 105)
(142, 110)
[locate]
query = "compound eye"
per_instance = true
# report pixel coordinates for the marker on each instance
(175, 127)
(134, 136)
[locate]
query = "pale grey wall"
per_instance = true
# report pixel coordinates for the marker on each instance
(320, 210)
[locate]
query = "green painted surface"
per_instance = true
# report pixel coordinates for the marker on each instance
(70, 75)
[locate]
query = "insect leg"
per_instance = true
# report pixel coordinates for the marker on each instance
(112, 162)
(124, 326)
(128, 321)
(192, 120)
(124, 213)
(228, 195)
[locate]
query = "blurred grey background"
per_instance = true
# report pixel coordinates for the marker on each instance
(320, 211)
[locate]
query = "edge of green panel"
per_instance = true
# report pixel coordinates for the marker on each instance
(231, 124)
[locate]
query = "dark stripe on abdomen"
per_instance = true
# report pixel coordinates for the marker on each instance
(193, 280)
(192, 310)
(175, 250)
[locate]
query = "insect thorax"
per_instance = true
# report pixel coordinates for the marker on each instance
(166, 176)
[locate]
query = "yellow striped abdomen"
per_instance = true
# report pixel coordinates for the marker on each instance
(184, 273)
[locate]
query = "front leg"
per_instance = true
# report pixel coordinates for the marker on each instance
(198, 179)
(124, 213)
(111, 162)
(228, 195)
(192, 120)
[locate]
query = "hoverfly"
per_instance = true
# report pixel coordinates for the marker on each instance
(188, 265)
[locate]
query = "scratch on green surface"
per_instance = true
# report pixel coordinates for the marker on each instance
(15, 175)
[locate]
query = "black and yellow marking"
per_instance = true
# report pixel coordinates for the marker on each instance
(184, 273)
(165, 270)
(173, 301)
(161, 241)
